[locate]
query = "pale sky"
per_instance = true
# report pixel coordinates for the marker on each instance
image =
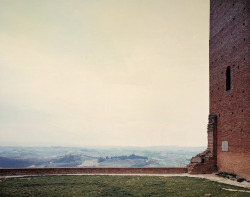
(104, 72)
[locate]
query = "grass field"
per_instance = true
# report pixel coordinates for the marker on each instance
(105, 185)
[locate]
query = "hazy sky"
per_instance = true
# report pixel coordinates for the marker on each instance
(104, 72)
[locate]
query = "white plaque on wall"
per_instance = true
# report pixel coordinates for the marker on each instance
(225, 146)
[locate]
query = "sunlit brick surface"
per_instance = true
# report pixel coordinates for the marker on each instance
(229, 46)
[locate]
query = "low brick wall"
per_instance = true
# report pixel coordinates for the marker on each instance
(92, 170)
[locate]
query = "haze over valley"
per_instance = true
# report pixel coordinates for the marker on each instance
(106, 156)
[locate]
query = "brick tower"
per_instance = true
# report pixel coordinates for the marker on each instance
(229, 91)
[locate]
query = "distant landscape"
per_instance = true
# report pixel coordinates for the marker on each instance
(34, 157)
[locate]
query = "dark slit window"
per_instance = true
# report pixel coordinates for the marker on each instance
(228, 78)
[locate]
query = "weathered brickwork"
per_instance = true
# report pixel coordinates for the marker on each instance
(206, 162)
(229, 46)
(229, 93)
(229, 80)
(89, 170)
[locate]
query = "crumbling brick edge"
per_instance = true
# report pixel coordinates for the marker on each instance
(206, 162)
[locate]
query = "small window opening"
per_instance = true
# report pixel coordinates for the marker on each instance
(228, 78)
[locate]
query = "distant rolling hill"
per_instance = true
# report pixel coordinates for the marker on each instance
(24, 157)
(14, 163)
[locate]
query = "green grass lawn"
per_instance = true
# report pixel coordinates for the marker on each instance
(84, 185)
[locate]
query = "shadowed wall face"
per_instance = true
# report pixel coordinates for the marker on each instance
(229, 83)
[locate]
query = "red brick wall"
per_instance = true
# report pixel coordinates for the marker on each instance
(229, 46)
(212, 135)
(206, 162)
(94, 170)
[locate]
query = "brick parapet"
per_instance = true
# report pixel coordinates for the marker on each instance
(91, 170)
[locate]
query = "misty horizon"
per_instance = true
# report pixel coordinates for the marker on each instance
(104, 73)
